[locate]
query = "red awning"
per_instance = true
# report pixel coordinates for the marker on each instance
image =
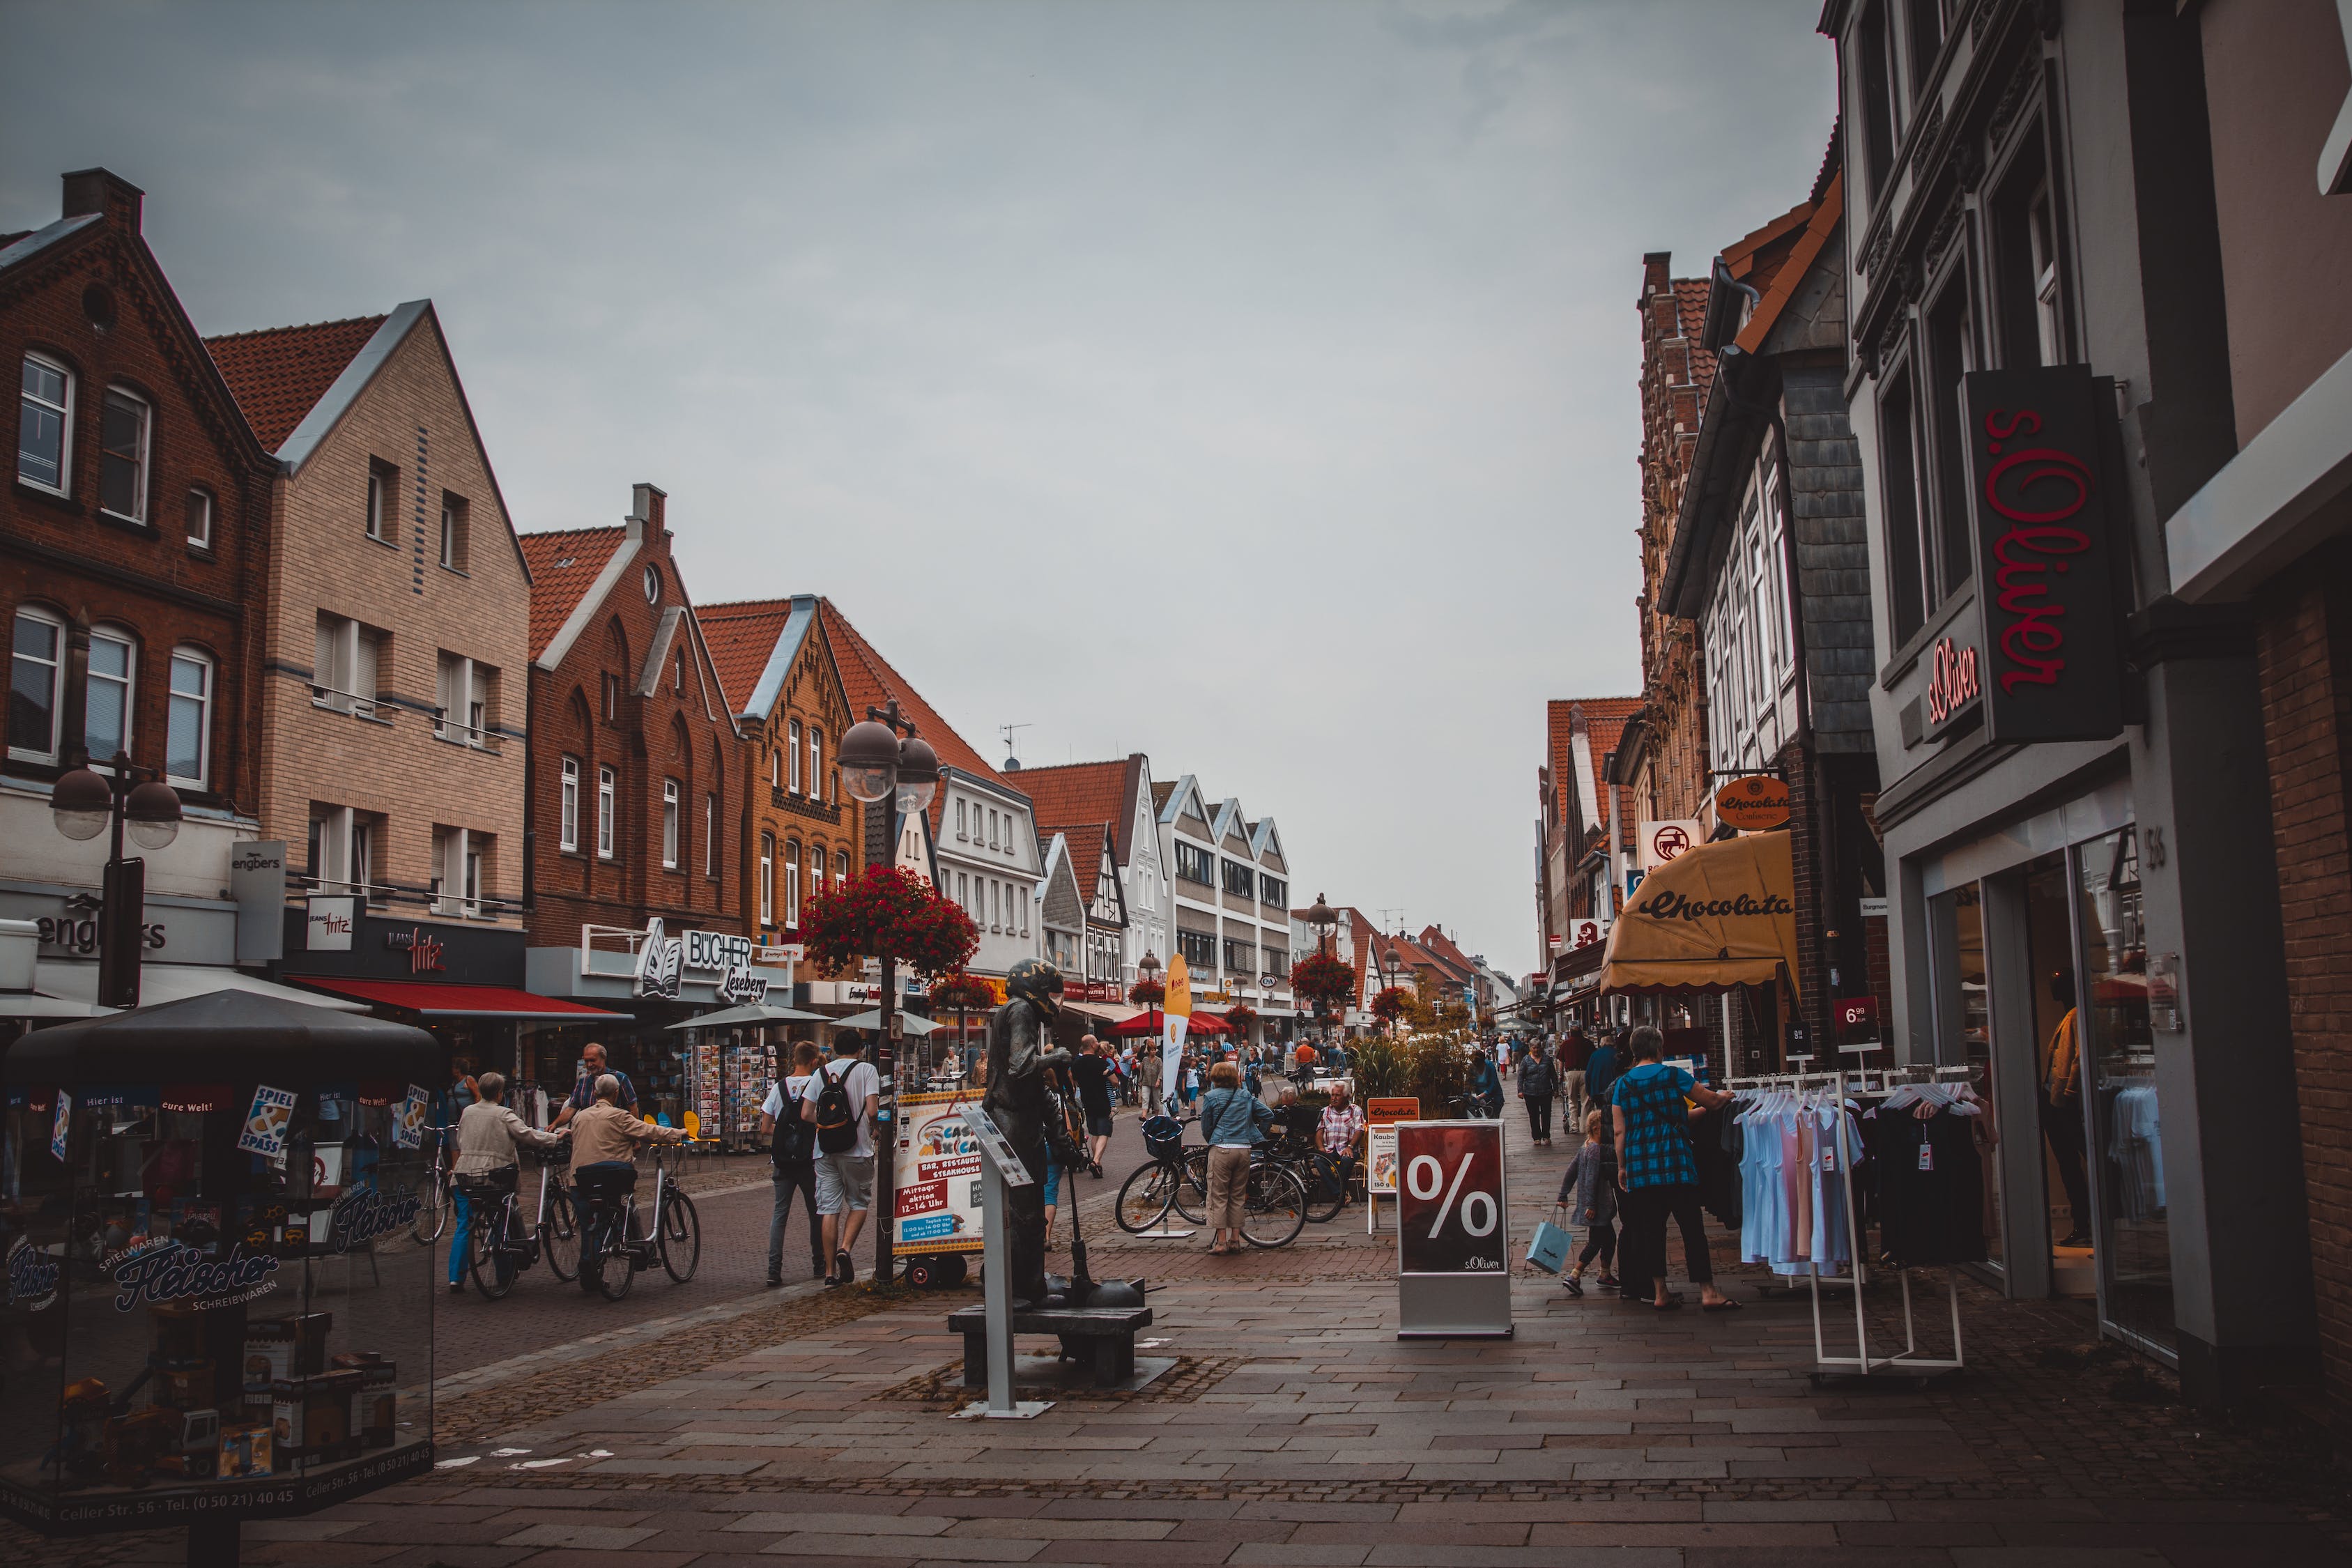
(429, 1000)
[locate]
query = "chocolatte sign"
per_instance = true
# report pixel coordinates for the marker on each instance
(2047, 663)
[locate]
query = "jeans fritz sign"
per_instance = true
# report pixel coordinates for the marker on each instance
(2047, 666)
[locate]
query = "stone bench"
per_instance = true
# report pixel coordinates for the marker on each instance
(1104, 1335)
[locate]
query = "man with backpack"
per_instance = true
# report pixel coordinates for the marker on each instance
(791, 1150)
(848, 1091)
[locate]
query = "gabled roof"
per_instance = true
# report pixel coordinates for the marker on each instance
(29, 243)
(1604, 721)
(1075, 793)
(281, 374)
(1262, 834)
(755, 642)
(571, 570)
(868, 681)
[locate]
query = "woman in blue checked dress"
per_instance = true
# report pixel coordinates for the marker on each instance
(1659, 1175)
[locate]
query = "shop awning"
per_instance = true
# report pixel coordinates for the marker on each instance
(751, 1015)
(429, 1000)
(162, 983)
(1101, 1012)
(1720, 915)
(909, 1023)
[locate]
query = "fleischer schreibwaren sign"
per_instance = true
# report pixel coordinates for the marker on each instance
(2043, 535)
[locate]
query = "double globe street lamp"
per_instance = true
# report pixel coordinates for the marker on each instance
(84, 804)
(1324, 919)
(879, 766)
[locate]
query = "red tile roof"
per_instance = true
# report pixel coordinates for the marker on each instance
(742, 639)
(869, 681)
(564, 567)
(279, 374)
(1072, 793)
(1781, 269)
(1604, 721)
(1086, 840)
(1690, 310)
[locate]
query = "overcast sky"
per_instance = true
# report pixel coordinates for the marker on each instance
(1252, 386)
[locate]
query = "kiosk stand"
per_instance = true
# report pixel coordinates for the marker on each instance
(1000, 1168)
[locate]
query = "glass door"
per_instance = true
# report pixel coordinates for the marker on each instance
(1964, 1024)
(2119, 1056)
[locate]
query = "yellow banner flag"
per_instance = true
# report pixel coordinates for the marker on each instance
(1179, 988)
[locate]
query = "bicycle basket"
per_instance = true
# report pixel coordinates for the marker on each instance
(1164, 1137)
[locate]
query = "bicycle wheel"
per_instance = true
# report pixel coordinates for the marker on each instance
(1275, 1210)
(559, 1236)
(606, 1263)
(1322, 1206)
(680, 1238)
(432, 1211)
(1190, 1193)
(1143, 1197)
(492, 1266)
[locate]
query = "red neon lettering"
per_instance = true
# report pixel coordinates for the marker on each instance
(2034, 640)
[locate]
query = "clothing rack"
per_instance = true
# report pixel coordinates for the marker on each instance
(1907, 1362)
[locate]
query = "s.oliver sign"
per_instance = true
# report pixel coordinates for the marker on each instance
(1450, 1198)
(2047, 664)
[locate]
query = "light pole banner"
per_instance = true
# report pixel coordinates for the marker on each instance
(1178, 1007)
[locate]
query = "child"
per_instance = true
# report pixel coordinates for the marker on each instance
(1591, 1182)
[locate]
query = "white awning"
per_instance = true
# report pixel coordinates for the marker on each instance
(176, 982)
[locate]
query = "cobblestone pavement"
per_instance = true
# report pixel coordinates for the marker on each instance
(1303, 1432)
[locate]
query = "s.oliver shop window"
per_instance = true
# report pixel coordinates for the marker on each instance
(2041, 986)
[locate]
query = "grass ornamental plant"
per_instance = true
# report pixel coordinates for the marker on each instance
(1381, 1069)
(889, 912)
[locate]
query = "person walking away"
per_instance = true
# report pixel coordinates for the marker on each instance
(1575, 1054)
(792, 1156)
(488, 1134)
(1589, 1186)
(848, 1093)
(1093, 1074)
(1660, 1174)
(583, 1091)
(1537, 1083)
(1232, 1122)
(1485, 1085)
(1601, 1070)
(606, 1135)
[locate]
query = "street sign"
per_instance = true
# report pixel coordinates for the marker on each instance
(1454, 1241)
(1661, 841)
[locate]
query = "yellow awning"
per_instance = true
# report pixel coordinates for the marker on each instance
(1722, 914)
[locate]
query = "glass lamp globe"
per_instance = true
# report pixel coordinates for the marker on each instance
(151, 814)
(918, 776)
(81, 803)
(869, 761)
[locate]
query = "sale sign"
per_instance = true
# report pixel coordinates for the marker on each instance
(1450, 1198)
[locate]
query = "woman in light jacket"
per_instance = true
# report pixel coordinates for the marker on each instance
(1231, 1122)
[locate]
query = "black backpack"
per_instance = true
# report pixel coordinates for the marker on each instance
(791, 1145)
(836, 1118)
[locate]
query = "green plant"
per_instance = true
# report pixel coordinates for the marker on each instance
(1322, 981)
(1438, 1071)
(1381, 1069)
(889, 912)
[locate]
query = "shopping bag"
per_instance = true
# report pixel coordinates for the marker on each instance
(1548, 1248)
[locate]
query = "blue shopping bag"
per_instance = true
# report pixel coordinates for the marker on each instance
(1548, 1248)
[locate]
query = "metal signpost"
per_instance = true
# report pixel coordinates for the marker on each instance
(1002, 1169)
(1454, 1240)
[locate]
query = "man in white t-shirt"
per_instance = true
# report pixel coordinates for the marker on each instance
(845, 1177)
(791, 1153)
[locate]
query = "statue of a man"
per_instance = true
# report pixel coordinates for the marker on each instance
(1020, 1049)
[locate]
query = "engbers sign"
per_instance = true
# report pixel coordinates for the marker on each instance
(2048, 667)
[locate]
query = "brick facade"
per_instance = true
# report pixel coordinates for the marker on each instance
(1671, 779)
(92, 303)
(622, 684)
(2304, 630)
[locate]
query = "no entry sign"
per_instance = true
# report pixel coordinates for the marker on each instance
(1453, 1235)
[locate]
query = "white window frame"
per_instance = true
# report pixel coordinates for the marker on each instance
(791, 884)
(567, 819)
(448, 536)
(710, 836)
(57, 663)
(379, 504)
(124, 638)
(669, 824)
(138, 512)
(816, 855)
(961, 832)
(605, 801)
(794, 733)
(200, 500)
(65, 419)
(767, 878)
(207, 671)
(815, 763)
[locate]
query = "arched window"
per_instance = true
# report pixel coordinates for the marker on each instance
(816, 869)
(840, 866)
(106, 694)
(37, 665)
(604, 791)
(568, 816)
(793, 882)
(767, 878)
(187, 733)
(793, 760)
(669, 824)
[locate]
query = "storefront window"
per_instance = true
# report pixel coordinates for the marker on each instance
(1964, 1020)
(2136, 1246)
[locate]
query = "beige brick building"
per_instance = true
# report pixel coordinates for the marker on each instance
(397, 626)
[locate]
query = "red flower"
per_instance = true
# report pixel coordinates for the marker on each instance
(963, 991)
(888, 911)
(1147, 994)
(1319, 978)
(1388, 1006)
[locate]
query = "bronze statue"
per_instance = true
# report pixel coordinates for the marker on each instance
(1020, 1050)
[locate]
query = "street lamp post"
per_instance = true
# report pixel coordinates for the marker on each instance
(85, 804)
(1323, 917)
(1392, 966)
(876, 766)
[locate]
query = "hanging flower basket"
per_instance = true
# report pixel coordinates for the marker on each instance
(1322, 980)
(1147, 994)
(1241, 1015)
(889, 912)
(961, 990)
(1388, 1006)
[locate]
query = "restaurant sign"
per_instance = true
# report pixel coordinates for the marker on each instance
(2049, 665)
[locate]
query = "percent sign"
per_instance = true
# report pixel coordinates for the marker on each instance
(1470, 1224)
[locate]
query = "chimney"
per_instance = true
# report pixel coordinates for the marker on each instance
(645, 509)
(103, 191)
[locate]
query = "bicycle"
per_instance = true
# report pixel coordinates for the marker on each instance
(433, 1199)
(1174, 1178)
(612, 1246)
(1326, 1191)
(501, 1250)
(1273, 1200)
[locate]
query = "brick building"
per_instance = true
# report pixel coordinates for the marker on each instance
(134, 545)
(635, 797)
(1662, 757)
(1582, 836)
(397, 616)
(777, 666)
(1769, 563)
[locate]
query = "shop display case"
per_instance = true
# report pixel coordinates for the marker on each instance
(214, 1309)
